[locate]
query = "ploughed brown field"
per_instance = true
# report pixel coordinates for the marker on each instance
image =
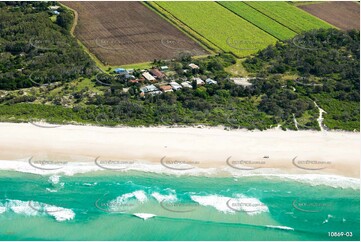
(121, 33)
(344, 15)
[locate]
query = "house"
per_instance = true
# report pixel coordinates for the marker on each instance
(193, 66)
(186, 84)
(164, 68)
(166, 88)
(209, 81)
(199, 81)
(150, 88)
(155, 93)
(121, 71)
(136, 80)
(175, 86)
(127, 76)
(148, 76)
(157, 73)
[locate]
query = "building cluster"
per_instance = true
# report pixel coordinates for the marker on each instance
(157, 81)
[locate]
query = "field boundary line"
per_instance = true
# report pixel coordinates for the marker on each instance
(297, 32)
(253, 23)
(204, 42)
(314, 16)
(97, 61)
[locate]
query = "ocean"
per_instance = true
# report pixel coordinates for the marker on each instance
(136, 205)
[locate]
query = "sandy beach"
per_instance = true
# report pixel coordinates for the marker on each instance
(292, 152)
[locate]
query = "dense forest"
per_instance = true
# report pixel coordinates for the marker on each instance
(46, 75)
(323, 65)
(32, 45)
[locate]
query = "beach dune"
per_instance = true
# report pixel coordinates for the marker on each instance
(295, 152)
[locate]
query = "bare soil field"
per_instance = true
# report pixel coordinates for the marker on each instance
(344, 15)
(120, 33)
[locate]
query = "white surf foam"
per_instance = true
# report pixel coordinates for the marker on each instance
(164, 198)
(54, 179)
(90, 184)
(144, 216)
(334, 181)
(218, 202)
(21, 207)
(60, 214)
(321, 180)
(139, 195)
(240, 203)
(279, 227)
(83, 167)
(32, 208)
(51, 190)
(2, 209)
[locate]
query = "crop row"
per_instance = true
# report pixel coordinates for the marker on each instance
(289, 16)
(257, 18)
(220, 26)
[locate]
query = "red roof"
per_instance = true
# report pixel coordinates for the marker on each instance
(157, 73)
(165, 88)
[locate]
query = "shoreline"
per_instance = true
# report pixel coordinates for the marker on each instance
(185, 150)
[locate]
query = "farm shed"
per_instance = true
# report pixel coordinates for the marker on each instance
(157, 73)
(148, 76)
(175, 86)
(166, 88)
(210, 81)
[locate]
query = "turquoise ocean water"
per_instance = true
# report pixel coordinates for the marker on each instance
(102, 206)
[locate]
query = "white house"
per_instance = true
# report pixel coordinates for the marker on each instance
(175, 86)
(193, 66)
(210, 81)
(150, 88)
(186, 84)
(199, 81)
(148, 76)
(164, 68)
